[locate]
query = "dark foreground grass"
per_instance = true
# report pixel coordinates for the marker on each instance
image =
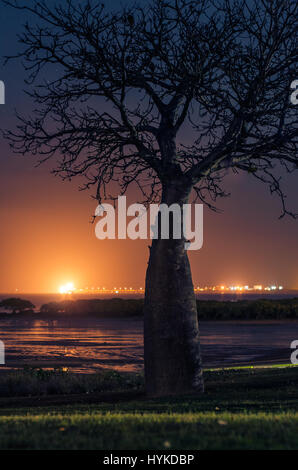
(241, 409)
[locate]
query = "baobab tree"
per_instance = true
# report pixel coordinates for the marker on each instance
(115, 92)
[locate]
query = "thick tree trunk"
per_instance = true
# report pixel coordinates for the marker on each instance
(171, 333)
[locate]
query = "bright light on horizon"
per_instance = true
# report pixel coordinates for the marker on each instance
(67, 288)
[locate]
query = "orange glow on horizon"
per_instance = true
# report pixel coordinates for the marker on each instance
(67, 288)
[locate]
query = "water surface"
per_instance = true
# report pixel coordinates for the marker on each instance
(86, 345)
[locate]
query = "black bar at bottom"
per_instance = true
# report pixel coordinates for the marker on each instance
(138, 459)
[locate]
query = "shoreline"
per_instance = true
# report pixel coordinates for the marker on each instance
(90, 345)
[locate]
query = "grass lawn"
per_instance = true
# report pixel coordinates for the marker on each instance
(245, 408)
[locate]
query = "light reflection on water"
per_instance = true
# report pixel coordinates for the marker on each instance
(86, 345)
(81, 345)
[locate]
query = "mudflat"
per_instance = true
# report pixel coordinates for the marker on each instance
(89, 344)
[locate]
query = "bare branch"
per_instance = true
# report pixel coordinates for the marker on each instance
(113, 91)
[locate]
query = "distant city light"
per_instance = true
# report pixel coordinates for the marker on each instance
(67, 288)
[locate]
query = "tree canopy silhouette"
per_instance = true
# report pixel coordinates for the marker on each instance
(169, 96)
(17, 305)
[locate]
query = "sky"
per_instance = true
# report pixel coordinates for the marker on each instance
(46, 237)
